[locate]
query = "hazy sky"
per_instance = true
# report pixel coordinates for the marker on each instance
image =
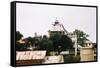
(33, 18)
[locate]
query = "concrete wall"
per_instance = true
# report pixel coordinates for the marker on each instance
(87, 54)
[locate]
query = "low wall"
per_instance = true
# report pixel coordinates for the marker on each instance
(86, 54)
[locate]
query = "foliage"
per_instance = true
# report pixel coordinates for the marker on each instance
(18, 35)
(66, 42)
(56, 42)
(61, 42)
(81, 37)
(46, 44)
(71, 58)
(20, 47)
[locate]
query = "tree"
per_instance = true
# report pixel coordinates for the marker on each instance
(81, 37)
(31, 40)
(61, 42)
(18, 35)
(45, 44)
(19, 46)
(55, 39)
(65, 42)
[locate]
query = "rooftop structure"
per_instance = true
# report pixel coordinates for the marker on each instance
(58, 28)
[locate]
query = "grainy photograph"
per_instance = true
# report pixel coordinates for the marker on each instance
(53, 34)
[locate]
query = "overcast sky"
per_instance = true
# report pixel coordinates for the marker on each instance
(33, 18)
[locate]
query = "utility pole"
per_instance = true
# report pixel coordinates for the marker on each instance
(75, 44)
